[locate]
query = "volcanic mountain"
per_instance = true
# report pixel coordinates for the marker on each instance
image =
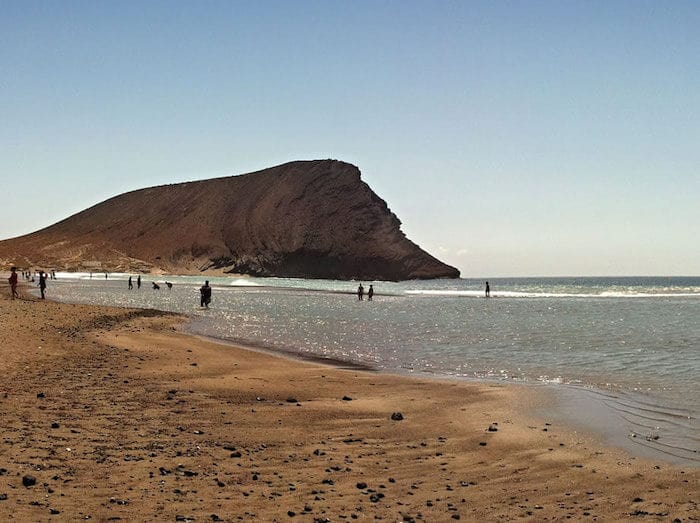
(308, 219)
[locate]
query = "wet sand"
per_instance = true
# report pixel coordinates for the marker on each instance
(114, 414)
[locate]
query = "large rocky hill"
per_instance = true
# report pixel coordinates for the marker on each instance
(311, 219)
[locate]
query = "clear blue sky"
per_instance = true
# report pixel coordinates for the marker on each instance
(511, 138)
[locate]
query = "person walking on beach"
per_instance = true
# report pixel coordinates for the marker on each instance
(42, 284)
(13, 282)
(488, 290)
(360, 292)
(138, 281)
(131, 285)
(205, 294)
(370, 293)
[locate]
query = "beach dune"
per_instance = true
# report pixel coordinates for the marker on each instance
(115, 414)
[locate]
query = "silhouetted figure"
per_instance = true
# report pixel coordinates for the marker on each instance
(360, 292)
(138, 281)
(105, 275)
(370, 293)
(156, 287)
(42, 283)
(488, 290)
(53, 274)
(131, 284)
(205, 294)
(13, 282)
(170, 285)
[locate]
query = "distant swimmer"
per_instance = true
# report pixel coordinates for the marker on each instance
(205, 294)
(488, 290)
(156, 287)
(370, 293)
(360, 292)
(131, 284)
(13, 282)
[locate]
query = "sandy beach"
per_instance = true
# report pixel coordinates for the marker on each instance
(115, 414)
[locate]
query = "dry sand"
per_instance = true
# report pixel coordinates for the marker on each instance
(118, 416)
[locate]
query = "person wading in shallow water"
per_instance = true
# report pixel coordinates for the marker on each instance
(488, 290)
(205, 294)
(370, 293)
(360, 292)
(42, 283)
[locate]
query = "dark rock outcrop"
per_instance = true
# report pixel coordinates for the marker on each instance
(311, 219)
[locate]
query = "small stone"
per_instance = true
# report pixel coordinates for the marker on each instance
(493, 427)
(361, 486)
(347, 398)
(54, 511)
(3, 497)
(28, 481)
(236, 454)
(397, 416)
(292, 400)
(55, 425)
(41, 395)
(291, 513)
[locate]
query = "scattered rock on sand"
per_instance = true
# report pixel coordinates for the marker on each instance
(28, 481)
(397, 416)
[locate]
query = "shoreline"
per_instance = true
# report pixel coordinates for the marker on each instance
(600, 422)
(118, 414)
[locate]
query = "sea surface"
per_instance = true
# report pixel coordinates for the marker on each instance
(623, 354)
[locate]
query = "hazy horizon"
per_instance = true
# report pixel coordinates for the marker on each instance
(545, 139)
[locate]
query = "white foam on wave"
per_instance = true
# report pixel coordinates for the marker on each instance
(517, 294)
(242, 282)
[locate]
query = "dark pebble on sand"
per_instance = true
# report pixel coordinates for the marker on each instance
(236, 454)
(291, 513)
(292, 400)
(55, 425)
(347, 398)
(482, 443)
(362, 485)
(397, 416)
(3, 497)
(28, 481)
(41, 395)
(493, 428)
(54, 511)
(215, 517)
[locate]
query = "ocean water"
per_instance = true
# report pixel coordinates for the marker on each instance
(622, 352)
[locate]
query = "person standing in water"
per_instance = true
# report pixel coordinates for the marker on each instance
(370, 293)
(360, 292)
(488, 290)
(42, 284)
(138, 281)
(205, 294)
(131, 285)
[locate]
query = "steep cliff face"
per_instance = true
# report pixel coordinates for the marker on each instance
(311, 219)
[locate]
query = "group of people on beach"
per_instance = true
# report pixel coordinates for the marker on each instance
(361, 293)
(27, 275)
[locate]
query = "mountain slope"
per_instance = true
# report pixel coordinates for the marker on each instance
(312, 219)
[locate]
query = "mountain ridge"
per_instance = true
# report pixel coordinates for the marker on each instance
(306, 218)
